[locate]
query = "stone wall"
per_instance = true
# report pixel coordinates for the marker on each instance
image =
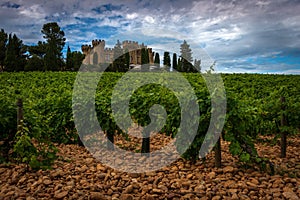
(98, 53)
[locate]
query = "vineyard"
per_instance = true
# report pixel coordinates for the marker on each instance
(260, 109)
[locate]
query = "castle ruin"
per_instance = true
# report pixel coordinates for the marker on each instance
(98, 53)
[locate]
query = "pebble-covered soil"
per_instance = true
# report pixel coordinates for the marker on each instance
(77, 175)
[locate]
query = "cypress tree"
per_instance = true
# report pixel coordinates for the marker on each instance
(69, 63)
(197, 65)
(186, 51)
(179, 65)
(3, 43)
(77, 58)
(186, 57)
(167, 59)
(14, 57)
(174, 62)
(127, 60)
(145, 59)
(157, 59)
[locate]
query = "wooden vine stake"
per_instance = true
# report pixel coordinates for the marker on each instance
(283, 124)
(218, 155)
(110, 141)
(20, 115)
(146, 142)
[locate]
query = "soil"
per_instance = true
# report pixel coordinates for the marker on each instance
(77, 175)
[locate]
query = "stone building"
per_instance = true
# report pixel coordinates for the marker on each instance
(98, 53)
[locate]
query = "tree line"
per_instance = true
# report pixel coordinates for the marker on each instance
(44, 56)
(184, 63)
(47, 55)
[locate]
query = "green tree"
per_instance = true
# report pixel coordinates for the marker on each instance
(145, 56)
(39, 49)
(157, 59)
(77, 58)
(69, 60)
(197, 64)
(127, 60)
(3, 42)
(186, 51)
(36, 57)
(186, 57)
(74, 60)
(55, 42)
(35, 63)
(145, 59)
(15, 54)
(167, 59)
(179, 65)
(174, 62)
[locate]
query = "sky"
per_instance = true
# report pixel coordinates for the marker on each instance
(241, 36)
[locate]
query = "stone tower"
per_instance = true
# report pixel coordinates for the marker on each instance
(94, 54)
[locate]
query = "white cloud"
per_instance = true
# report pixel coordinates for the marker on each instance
(131, 16)
(262, 3)
(161, 32)
(150, 19)
(291, 71)
(34, 11)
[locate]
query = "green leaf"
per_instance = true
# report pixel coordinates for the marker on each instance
(245, 157)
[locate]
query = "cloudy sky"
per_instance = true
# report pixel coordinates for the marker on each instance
(253, 36)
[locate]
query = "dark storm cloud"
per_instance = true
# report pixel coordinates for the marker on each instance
(10, 5)
(106, 8)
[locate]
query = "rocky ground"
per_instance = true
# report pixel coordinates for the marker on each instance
(77, 175)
